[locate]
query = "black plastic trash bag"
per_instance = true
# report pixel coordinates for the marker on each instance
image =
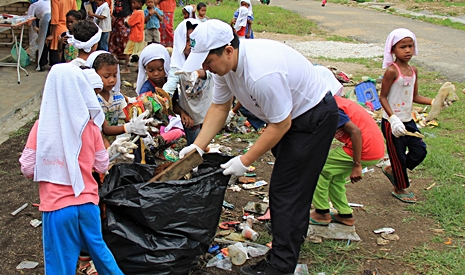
(162, 227)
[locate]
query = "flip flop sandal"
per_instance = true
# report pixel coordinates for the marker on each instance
(389, 176)
(315, 222)
(334, 219)
(402, 197)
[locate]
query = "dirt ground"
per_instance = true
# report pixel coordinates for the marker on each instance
(20, 241)
(436, 7)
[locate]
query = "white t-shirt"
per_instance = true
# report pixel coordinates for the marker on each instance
(39, 9)
(272, 81)
(105, 24)
(78, 62)
(335, 86)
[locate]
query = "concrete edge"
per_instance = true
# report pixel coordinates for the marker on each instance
(19, 116)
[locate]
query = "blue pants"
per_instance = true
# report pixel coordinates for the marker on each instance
(396, 147)
(300, 156)
(192, 133)
(68, 230)
(252, 119)
(103, 43)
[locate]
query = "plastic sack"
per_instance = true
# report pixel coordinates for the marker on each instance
(161, 227)
(24, 61)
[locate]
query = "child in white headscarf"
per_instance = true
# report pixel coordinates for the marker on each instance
(248, 32)
(85, 38)
(61, 153)
(194, 96)
(188, 11)
(154, 65)
(398, 92)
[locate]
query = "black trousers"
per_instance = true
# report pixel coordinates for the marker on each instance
(396, 147)
(300, 157)
(50, 57)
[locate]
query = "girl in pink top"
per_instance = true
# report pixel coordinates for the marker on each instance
(63, 148)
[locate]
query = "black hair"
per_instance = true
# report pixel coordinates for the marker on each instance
(141, 2)
(83, 14)
(191, 26)
(201, 5)
(84, 30)
(234, 43)
(74, 13)
(104, 59)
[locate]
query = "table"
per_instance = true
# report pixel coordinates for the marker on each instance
(18, 49)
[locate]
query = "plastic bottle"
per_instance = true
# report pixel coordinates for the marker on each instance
(238, 257)
(249, 233)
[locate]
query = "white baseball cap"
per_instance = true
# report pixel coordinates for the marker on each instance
(207, 36)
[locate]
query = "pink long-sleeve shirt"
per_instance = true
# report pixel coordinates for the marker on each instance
(93, 156)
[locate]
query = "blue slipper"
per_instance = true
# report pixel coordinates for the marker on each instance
(402, 197)
(389, 176)
(315, 222)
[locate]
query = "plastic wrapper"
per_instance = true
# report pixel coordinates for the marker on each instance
(161, 227)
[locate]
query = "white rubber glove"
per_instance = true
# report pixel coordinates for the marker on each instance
(137, 124)
(123, 147)
(397, 127)
(234, 167)
(148, 141)
(188, 149)
(231, 114)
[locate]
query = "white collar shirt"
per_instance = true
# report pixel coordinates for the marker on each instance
(272, 81)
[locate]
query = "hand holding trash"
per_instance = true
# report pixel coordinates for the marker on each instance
(356, 173)
(137, 124)
(397, 127)
(124, 147)
(148, 141)
(231, 114)
(234, 167)
(188, 149)
(191, 78)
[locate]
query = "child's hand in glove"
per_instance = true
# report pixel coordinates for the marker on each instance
(397, 127)
(122, 146)
(137, 125)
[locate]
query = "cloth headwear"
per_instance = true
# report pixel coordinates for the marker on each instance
(209, 35)
(178, 58)
(99, 10)
(68, 103)
(392, 39)
(90, 63)
(250, 6)
(148, 54)
(189, 9)
(94, 79)
(241, 20)
(86, 45)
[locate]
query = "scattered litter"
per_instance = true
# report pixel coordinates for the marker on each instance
(251, 168)
(249, 233)
(270, 162)
(257, 250)
(266, 200)
(228, 205)
(35, 223)
(27, 265)
(351, 204)
(387, 230)
(35, 204)
(302, 269)
(449, 241)
(237, 253)
(334, 231)
(382, 241)
(366, 170)
(257, 184)
(221, 262)
(227, 225)
(235, 188)
(224, 233)
(256, 207)
(250, 174)
(437, 230)
(391, 237)
(237, 237)
(19, 209)
(266, 216)
(245, 180)
(314, 239)
(431, 186)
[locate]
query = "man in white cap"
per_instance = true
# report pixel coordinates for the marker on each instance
(282, 88)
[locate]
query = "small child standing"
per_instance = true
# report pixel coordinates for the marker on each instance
(65, 49)
(398, 92)
(60, 157)
(103, 19)
(136, 24)
(153, 16)
(239, 15)
(201, 12)
(85, 39)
